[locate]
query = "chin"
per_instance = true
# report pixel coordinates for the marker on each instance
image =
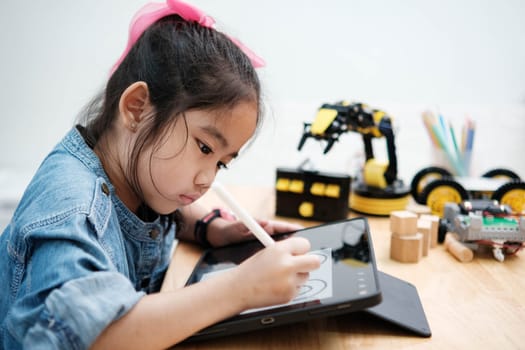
(164, 209)
(167, 212)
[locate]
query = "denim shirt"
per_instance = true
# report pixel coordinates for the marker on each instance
(73, 258)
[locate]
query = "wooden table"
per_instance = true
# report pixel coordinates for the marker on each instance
(475, 305)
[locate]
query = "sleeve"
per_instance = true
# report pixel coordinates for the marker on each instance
(75, 314)
(70, 290)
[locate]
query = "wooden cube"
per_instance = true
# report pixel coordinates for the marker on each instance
(418, 209)
(434, 219)
(424, 227)
(406, 248)
(403, 222)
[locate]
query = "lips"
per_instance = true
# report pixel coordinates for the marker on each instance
(188, 198)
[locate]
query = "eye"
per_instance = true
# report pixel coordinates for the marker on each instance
(205, 149)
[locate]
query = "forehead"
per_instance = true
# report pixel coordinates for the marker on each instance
(225, 124)
(231, 116)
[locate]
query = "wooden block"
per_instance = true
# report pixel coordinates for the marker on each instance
(403, 222)
(406, 248)
(434, 219)
(424, 227)
(457, 249)
(418, 209)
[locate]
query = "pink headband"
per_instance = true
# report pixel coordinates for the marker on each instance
(152, 12)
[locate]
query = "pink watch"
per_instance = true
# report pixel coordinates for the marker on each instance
(201, 225)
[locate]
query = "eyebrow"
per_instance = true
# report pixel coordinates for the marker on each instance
(215, 133)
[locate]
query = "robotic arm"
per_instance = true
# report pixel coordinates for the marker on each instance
(332, 120)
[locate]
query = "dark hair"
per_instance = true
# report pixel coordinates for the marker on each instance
(186, 66)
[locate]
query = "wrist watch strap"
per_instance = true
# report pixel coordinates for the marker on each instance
(201, 225)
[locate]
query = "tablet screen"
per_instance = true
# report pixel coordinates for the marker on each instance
(319, 285)
(347, 278)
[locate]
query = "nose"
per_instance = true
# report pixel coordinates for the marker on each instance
(204, 178)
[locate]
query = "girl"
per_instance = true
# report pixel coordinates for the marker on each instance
(85, 253)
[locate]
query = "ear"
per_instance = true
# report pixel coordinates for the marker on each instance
(134, 104)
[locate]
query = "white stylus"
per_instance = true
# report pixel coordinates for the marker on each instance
(243, 215)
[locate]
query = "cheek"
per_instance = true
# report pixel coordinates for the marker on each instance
(173, 175)
(157, 178)
(167, 175)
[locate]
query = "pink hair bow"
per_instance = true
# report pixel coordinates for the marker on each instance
(152, 12)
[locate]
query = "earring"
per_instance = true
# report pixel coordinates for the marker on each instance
(133, 126)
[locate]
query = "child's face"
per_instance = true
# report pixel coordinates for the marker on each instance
(184, 164)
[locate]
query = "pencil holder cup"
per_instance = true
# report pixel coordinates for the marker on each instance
(439, 158)
(455, 164)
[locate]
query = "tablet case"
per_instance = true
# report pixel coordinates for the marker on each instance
(400, 306)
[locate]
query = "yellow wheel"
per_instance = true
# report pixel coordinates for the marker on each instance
(513, 195)
(423, 178)
(499, 174)
(439, 192)
(504, 174)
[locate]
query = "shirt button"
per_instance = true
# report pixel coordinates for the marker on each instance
(154, 233)
(105, 188)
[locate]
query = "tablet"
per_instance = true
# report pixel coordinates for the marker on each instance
(347, 280)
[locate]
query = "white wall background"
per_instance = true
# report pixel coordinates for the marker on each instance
(461, 57)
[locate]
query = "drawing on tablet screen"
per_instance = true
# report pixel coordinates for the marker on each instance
(318, 286)
(310, 289)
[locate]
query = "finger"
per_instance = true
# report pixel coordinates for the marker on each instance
(282, 226)
(240, 227)
(295, 245)
(267, 226)
(302, 277)
(307, 262)
(263, 222)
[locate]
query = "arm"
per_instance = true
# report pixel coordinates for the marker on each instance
(190, 215)
(164, 319)
(161, 320)
(222, 232)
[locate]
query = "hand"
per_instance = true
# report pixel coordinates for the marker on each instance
(223, 232)
(274, 274)
(277, 226)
